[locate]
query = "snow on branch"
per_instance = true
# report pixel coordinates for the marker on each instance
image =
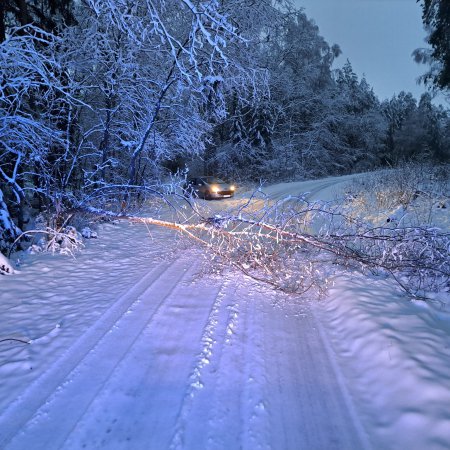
(298, 246)
(184, 28)
(35, 89)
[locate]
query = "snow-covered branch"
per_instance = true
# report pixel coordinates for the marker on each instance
(298, 246)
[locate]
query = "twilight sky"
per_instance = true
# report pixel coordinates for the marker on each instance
(377, 36)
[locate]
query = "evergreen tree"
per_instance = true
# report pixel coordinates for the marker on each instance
(396, 111)
(436, 18)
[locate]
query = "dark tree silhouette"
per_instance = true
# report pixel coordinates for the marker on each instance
(46, 14)
(436, 19)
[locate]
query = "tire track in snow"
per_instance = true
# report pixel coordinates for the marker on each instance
(311, 192)
(346, 394)
(308, 407)
(203, 381)
(256, 399)
(227, 381)
(317, 187)
(30, 413)
(151, 381)
(234, 396)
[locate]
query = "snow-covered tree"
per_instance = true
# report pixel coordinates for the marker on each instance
(416, 130)
(34, 98)
(423, 133)
(396, 111)
(154, 73)
(360, 127)
(273, 117)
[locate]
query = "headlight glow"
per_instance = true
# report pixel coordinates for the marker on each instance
(232, 188)
(215, 189)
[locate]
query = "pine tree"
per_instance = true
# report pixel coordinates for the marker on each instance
(436, 18)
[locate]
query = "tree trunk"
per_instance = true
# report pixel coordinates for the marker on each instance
(8, 229)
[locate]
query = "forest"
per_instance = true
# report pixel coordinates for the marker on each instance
(103, 99)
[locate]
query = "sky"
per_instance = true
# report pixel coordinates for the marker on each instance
(377, 36)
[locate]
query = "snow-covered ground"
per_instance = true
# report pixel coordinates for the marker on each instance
(135, 344)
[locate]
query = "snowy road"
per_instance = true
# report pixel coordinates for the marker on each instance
(139, 344)
(181, 362)
(324, 189)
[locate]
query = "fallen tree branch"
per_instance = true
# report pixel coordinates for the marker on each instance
(278, 250)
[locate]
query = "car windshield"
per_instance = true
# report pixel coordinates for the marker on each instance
(211, 180)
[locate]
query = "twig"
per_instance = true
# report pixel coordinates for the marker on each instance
(15, 339)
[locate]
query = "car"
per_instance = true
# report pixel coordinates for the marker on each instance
(208, 187)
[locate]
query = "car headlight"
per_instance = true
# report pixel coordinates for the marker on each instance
(215, 189)
(232, 188)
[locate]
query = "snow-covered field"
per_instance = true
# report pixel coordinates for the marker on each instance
(135, 344)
